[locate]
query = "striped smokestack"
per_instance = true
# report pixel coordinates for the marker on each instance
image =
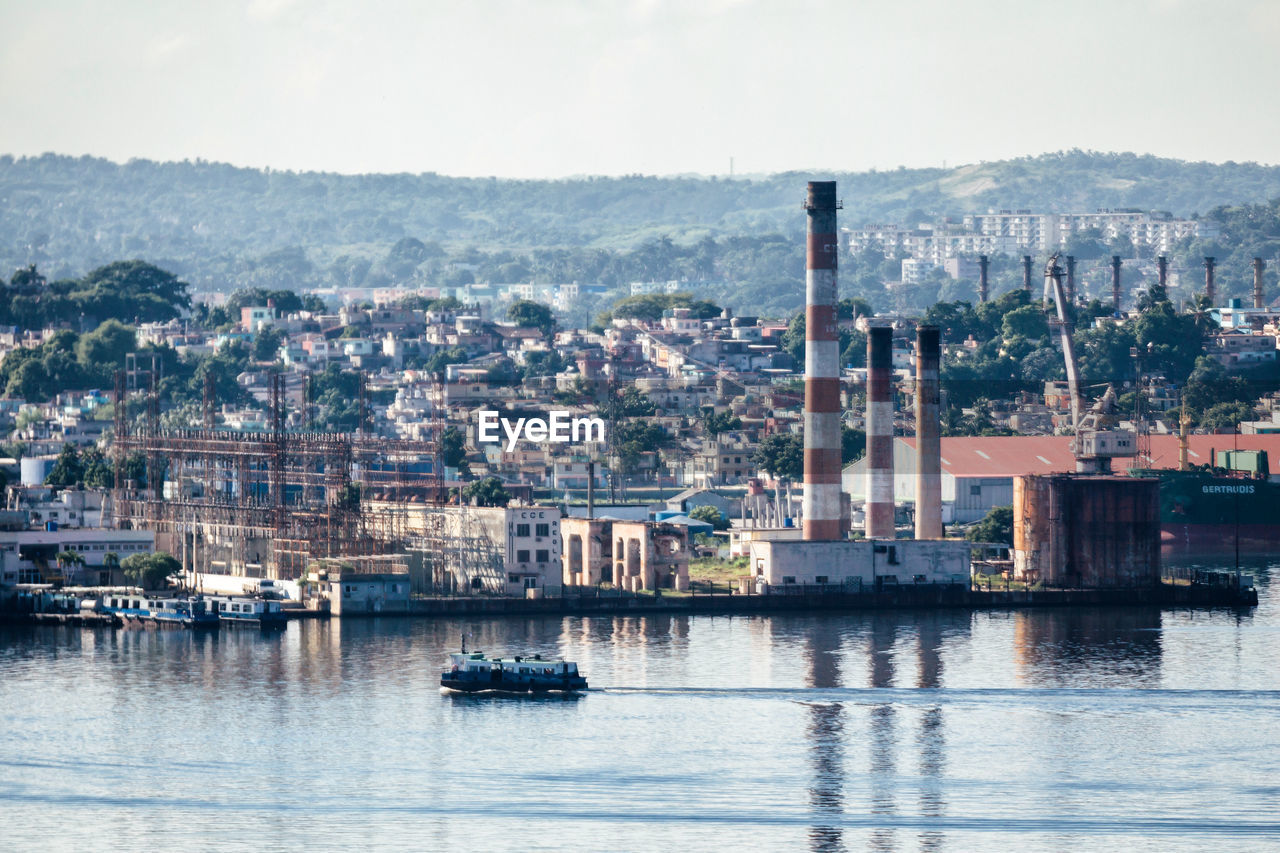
(982, 278)
(821, 509)
(1115, 283)
(1259, 299)
(928, 434)
(1071, 279)
(1026, 273)
(879, 489)
(1210, 289)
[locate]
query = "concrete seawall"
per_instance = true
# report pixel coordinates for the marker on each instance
(922, 597)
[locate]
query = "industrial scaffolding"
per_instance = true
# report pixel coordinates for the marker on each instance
(271, 503)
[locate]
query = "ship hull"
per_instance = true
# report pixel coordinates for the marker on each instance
(1202, 513)
(1182, 538)
(511, 686)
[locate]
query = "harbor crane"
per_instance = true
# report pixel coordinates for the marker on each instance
(1094, 443)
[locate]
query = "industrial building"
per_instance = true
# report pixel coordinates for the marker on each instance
(1086, 531)
(31, 556)
(978, 471)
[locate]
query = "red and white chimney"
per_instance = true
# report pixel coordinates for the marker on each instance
(879, 506)
(821, 507)
(928, 434)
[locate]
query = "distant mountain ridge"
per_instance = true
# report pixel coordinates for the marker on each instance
(208, 220)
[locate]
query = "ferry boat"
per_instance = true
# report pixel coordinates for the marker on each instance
(258, 612)
(473, 672)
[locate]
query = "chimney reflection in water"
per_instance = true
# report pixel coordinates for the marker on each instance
(826, 738)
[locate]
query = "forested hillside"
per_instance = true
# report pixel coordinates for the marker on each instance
(225, 227)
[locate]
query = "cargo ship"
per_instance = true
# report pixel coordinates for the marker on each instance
(1229, 505)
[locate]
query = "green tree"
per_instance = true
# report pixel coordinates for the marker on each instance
(133, 290)
(150, 571)
(266, 344)
(714, 423)
(532, 315)
(98, 473)
(1227, 417)
(67, 469)
(996, 526)
(107, 345)
(488, 491)
(67, 559)
(782, 455)
(453, 451)
(711, 516)
(542, 363)
(853, 443)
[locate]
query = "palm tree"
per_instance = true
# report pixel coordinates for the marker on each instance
(69, 558)
(111, 562)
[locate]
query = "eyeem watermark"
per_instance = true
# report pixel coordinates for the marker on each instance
(558, 427)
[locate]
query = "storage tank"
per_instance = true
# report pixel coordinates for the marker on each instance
(35, 468)
(1086, 532)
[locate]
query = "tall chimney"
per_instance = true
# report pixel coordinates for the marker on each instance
(821, 508)
(1071, 279)
(928, 434)
(1026, 273)
(879, 489)
(1209, 289)
(1115, 282)
(1162, 273)
(983, 262)
(1259, 299)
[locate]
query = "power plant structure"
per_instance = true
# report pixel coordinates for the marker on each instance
(1259, 300)
(825, 555)
(821, 516)
(1086, 531)
(879, 420)
(274, 504)
(1026, 273)
(983, 289)
(1210, 289)
(928, 433)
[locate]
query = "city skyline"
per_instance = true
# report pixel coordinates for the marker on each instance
(569, 88)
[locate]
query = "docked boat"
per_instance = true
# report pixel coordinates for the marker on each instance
(473, 672)
(189, 612)
(135, 609)
(256, 612)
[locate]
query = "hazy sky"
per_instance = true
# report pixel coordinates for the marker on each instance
(549, 88)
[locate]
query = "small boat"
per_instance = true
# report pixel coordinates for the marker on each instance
(473, 672)
(257, 612)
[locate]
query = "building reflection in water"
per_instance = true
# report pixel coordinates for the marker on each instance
(882, 730)
(887, 735)
(826, 738)
(1093, 647)
(931, 736)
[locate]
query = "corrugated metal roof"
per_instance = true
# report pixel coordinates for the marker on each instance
(1010, 455)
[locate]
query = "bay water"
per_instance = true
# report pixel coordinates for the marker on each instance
(1050, 729)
